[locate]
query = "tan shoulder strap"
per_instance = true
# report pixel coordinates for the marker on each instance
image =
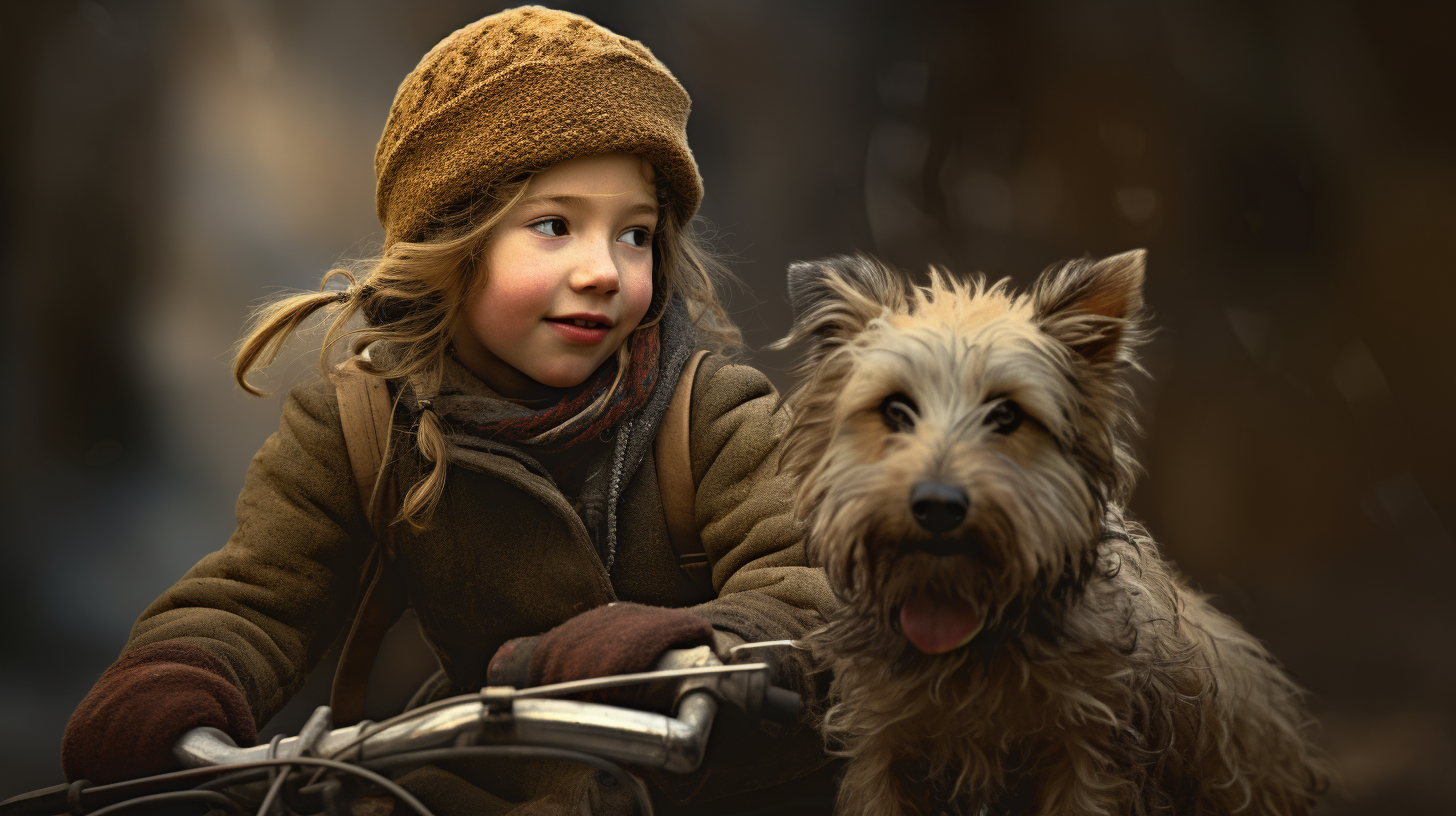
(675, 479)
(365, 412)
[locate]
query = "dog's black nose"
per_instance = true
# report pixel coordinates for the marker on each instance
(938, 507)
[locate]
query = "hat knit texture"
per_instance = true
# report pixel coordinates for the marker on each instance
(522, 90)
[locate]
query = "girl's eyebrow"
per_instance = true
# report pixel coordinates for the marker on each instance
(567, 199)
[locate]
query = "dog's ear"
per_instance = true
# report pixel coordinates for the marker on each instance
(1095, 307)
(835, 298)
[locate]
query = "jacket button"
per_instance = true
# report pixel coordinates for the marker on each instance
(606, 779)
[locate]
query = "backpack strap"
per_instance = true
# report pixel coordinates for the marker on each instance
(365, 412)
(675, 480)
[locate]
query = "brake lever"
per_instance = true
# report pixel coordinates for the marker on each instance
(595, 683)
(764, 644)
(768, 706)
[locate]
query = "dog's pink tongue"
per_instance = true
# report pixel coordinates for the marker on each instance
(937, 625)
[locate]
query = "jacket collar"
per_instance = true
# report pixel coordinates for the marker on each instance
(463, 400)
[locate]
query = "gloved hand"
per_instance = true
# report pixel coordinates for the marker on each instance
(618, 638)
(126, 726)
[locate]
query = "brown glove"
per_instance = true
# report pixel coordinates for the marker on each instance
(126, 726)
(618, 638)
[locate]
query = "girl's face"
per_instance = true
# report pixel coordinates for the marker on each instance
(567, 276)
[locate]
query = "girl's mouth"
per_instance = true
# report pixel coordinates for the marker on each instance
(580, 329)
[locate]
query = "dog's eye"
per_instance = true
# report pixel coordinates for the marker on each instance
(1005, 417)
(898, 412)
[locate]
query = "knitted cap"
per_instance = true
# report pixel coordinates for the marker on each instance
(522, 90)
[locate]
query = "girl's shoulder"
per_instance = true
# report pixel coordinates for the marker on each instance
(725, 381)
(735, 408)
(321, 408)
(309, 414)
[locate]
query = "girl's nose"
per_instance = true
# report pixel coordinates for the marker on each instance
(596, 270)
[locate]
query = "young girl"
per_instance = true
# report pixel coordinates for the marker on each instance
(537, 296)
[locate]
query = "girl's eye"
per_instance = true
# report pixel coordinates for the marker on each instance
(554, 227)
(637, 237)
(898, 412)
(1005, 417)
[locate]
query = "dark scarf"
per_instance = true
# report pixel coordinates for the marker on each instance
(597, 453)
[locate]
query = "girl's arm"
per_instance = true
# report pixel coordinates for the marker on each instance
(255, 615)
(272, 601)
(744, 508)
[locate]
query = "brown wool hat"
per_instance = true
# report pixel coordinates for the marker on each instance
(522, 90)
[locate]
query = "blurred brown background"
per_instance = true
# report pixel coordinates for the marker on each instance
(1289, 164)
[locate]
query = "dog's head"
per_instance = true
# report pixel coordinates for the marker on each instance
(957, 444)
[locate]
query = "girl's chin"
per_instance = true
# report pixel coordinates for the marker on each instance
(566, 376)
(540, 379)
(533, 385)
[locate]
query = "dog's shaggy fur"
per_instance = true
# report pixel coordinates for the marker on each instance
(1097, 682)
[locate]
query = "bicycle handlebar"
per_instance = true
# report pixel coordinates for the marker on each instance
(503, 715)
(497, 719)
(621, 734)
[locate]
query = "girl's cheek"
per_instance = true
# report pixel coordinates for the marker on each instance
(637, 297)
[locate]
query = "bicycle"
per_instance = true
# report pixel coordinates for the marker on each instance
(324, 771)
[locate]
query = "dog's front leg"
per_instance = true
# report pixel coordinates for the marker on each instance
(875, 783)
(1075, 778)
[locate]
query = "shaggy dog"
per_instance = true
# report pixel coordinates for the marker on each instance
(1010, 642)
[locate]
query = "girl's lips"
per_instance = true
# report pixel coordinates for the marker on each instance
(580, 330)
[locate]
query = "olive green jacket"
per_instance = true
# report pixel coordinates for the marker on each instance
(505, 555)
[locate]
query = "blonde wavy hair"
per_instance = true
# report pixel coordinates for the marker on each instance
(411, 295)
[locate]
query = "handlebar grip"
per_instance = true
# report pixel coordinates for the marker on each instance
(44, 802)
(780, 705)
